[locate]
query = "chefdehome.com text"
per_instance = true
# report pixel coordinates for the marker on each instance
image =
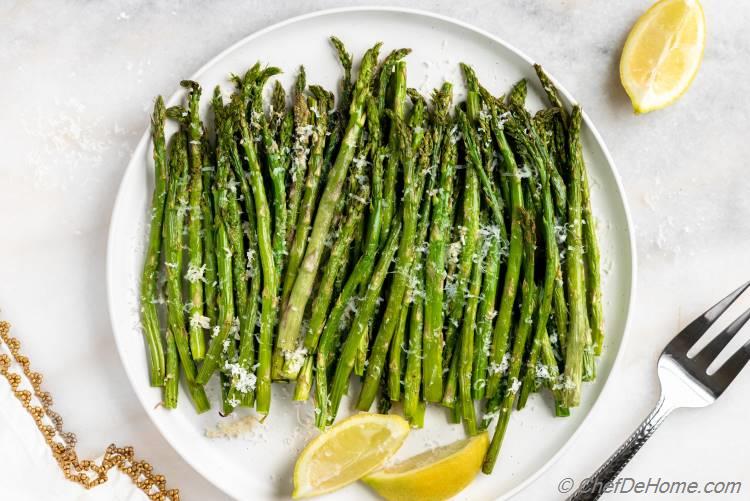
(658, 485)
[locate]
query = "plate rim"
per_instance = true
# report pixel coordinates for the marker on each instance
(142, 143)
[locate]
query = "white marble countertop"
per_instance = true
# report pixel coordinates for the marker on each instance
(79, 78)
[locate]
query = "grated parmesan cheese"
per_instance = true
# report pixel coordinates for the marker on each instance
(295, 358)
(232, 429)
(242, 379)
(195, 274)
(198, 320)
(500, 368)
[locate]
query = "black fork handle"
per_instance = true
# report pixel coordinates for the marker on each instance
(593, 487)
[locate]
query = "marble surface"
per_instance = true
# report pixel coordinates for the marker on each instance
(79, 78)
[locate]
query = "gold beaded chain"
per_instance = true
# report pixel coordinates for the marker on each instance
(85, 472)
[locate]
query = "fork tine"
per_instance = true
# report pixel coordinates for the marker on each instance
(693, 332)
(732, 367)
(709, 353)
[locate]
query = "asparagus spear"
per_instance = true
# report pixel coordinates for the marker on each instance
(553, 94)
(413, 375)
(174, 219)
(304, 381)
(149, 277)
(552, 292)
(291, 319)
(517, 95)
(239, 371)
(470, 237)
(364, 316)
(278, 182)
(195, 226)
(414, 286)
(560, 149)
(172, 377)
(209, 232)
(230, 211)
(377, 154)
(177, 208)
(303, 124)
(545, 369)
(385, 73)
(226, 280)
(450, 391)
(501, 329)
(575, 272)
(265, 246)
(341, 246)
(345, 58)
(312, 182)
(244, 375)
(398, 91)
(281, 123)
(432, 374)
(533, 150)
(592, 257)
(237, 382)
(466, 353)
(409, 141)
(559, 146)
(222, 338)
(470, 224)
(472, 150)
(528, 306)
(493, 243)
(395, 373)
(360, 276)
(417, 334)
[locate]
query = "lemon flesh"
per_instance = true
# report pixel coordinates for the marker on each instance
(345, 453)
(662, 53)
(433, 475)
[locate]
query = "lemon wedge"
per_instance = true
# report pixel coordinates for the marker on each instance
(345, 453)
(662, 53)
(433, 475)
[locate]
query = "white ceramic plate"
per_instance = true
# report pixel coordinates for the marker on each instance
(259, 466)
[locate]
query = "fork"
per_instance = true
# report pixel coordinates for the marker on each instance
(685, 382)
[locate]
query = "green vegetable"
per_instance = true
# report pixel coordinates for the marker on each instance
(265, 246)
(445, 150)
(408, 142)
(526, 316)
(371, 236)
(149, 277)
(291, 319)
(195, 223)
(578, 326)
(359, 326)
